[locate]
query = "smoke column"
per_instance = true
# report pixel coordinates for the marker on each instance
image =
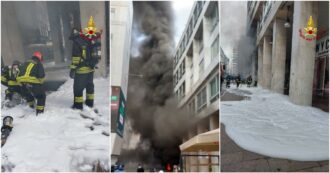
(234, 34)
(152, 110)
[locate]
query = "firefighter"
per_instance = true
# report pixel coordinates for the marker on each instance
(86, 53)
(249, 81)
(31, 76)
(238, 80)
(4, 79)
(228, 81)
(8, 78)
(13, 85)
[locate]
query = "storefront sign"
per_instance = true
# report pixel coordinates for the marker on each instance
(118, 110)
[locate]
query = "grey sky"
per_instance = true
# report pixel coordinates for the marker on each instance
(181, 13)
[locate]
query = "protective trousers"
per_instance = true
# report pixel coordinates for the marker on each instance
(11, 90)
(82, 81)
(32, 92)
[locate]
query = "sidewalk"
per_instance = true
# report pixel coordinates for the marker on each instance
(234, 158)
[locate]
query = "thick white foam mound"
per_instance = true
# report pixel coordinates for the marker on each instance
(60, 139)
(269, 124)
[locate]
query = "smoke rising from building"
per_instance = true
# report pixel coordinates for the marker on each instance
(152, 110)
(234, 35)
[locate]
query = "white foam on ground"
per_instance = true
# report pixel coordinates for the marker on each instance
(271, 125)
(59, 139)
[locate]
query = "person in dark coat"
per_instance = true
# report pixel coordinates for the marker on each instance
(228, 81)
(31, 76)
(140, 168)
(249, 81)
(86, 53)
(238, 80)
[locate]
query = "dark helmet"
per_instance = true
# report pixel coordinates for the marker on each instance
(38, 55)
(15, 62)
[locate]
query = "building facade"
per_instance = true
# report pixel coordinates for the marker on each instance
(120, 34)
(196, 85)
(287, 61)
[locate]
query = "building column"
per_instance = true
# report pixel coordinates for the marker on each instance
(267, 63)
(260, 64)
(302, 55)
(278, 56)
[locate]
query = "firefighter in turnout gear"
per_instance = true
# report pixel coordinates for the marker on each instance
(31, 76)
(8, 78)
(4, 79)
(86, 53)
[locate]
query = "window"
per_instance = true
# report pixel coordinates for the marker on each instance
(175, 60)
(174, 78)
(214, 17)
(215, 49)
(177, 77)
(113, 11)
(183, 89)
(183, 67)
(201, 67)
(214, 88)
(201, 99)
(179, 72)
(192, 107)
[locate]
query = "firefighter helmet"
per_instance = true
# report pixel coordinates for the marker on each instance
(15, 62)
(38, 55)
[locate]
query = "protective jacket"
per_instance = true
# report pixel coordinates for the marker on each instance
(4, 75)
(85, 54)
(32, 72)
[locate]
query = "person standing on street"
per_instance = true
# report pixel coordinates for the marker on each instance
(238, 80)
(86, 53)
(249, 81)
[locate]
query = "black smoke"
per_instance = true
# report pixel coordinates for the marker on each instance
(152, 109)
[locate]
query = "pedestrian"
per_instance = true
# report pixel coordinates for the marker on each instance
(249, 81)
(31, 76)
(228, 81)
(140, 168)
(86, 53)
(238, 80)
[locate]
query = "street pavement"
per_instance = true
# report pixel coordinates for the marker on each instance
(236, 159)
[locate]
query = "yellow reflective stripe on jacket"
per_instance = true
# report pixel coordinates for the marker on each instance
(73, 66)
(84, 70)
(28, 69)
(83, 53)
(30, 79)
(90, 96)
(13, 83)
(75, 60)
(40, 107)
(78, 99)
(3, 79)
(31, 103)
